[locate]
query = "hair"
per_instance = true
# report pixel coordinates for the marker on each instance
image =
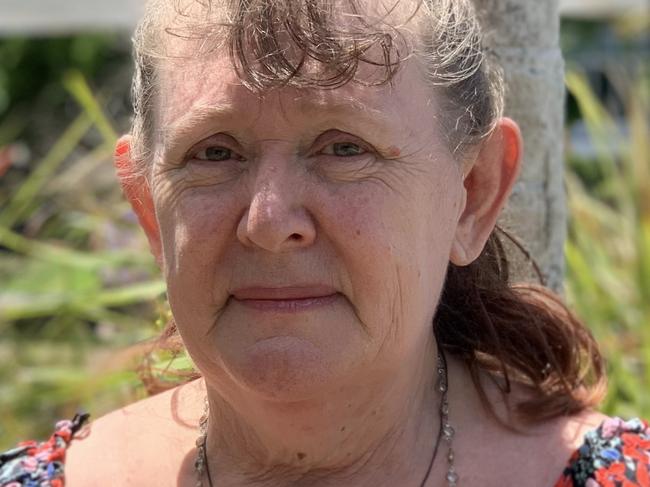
(518, 332)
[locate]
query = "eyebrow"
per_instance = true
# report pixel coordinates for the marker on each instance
(200, 118)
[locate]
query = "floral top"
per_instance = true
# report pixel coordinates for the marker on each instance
(616, 454)
(34, 464)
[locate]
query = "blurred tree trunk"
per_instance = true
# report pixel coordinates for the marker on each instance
(524, 36)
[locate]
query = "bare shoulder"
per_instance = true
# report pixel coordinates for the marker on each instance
(576, 427)
(558, 439)
(564, 435)
(158, 431)
(531, 458)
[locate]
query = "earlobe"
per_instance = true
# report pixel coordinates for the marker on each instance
(488, 185)
(460, 255)
(137, 191)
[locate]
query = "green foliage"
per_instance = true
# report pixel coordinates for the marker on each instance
(71, 299)
(79, 288)
(608, 249)
(34, 66)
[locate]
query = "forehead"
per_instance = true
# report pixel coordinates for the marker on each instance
(197, 79)
(207, 98)
(212, 84)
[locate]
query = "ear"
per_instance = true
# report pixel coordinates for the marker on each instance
(137, 191)
(487, 187)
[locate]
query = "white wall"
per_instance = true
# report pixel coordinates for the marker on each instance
(64, 16)
(601, 8)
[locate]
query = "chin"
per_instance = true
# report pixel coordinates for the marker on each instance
(286, 369)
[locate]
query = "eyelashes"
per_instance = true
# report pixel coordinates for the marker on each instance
(344, 147)
(216, 153)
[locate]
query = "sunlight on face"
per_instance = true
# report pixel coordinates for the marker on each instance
(349, 191)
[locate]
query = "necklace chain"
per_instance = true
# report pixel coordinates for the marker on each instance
(445, 427)
(446, 432)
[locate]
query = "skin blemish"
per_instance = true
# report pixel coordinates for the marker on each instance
(342, 428)
(393, 151)
(301, 456)
(358, 232)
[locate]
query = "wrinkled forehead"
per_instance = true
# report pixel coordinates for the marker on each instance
(197, 67)
(192, 90)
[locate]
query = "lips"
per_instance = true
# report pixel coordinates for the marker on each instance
(283, 293)
(295, 299)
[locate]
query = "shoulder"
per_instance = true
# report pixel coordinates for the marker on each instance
(544, 453)
(616, 452)
(159, 431)
(525, 455)
(540, 455)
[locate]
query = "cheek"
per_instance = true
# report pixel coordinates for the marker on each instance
(194, 220)
(196, 231)
(434, 227)
(394, 248)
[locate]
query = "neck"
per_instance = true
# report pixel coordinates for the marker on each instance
(376, 432)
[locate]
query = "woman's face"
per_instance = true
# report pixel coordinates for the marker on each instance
(350, 192)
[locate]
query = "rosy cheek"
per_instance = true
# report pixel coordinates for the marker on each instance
(198, 226)
(355, 214)
(204, 210)
(357, 222)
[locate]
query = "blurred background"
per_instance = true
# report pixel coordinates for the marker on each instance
(78, 287)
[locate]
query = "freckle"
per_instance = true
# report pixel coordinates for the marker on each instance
(358, 232)
(301, 455)
(374, 412)
(342, 428)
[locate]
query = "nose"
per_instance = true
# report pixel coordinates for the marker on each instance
(276, 219)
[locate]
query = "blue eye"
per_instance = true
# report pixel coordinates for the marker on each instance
(344, 149)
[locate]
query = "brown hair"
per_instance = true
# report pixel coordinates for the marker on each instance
(520, 332)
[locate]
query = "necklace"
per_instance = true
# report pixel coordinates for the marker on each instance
(445, 431)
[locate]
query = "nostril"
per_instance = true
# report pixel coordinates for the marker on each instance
(295, 236)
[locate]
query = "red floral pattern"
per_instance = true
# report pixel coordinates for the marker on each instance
(34, 464)
(616, 454)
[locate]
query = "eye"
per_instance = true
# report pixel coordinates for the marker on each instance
(216, 153)
(344, 149)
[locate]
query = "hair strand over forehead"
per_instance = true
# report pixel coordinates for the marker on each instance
(322, 44)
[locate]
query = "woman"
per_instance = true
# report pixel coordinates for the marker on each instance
(319, 183)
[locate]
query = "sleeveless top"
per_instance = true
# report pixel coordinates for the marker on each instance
(615, 454)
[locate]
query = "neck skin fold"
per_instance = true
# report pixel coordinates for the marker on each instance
(379, 432)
